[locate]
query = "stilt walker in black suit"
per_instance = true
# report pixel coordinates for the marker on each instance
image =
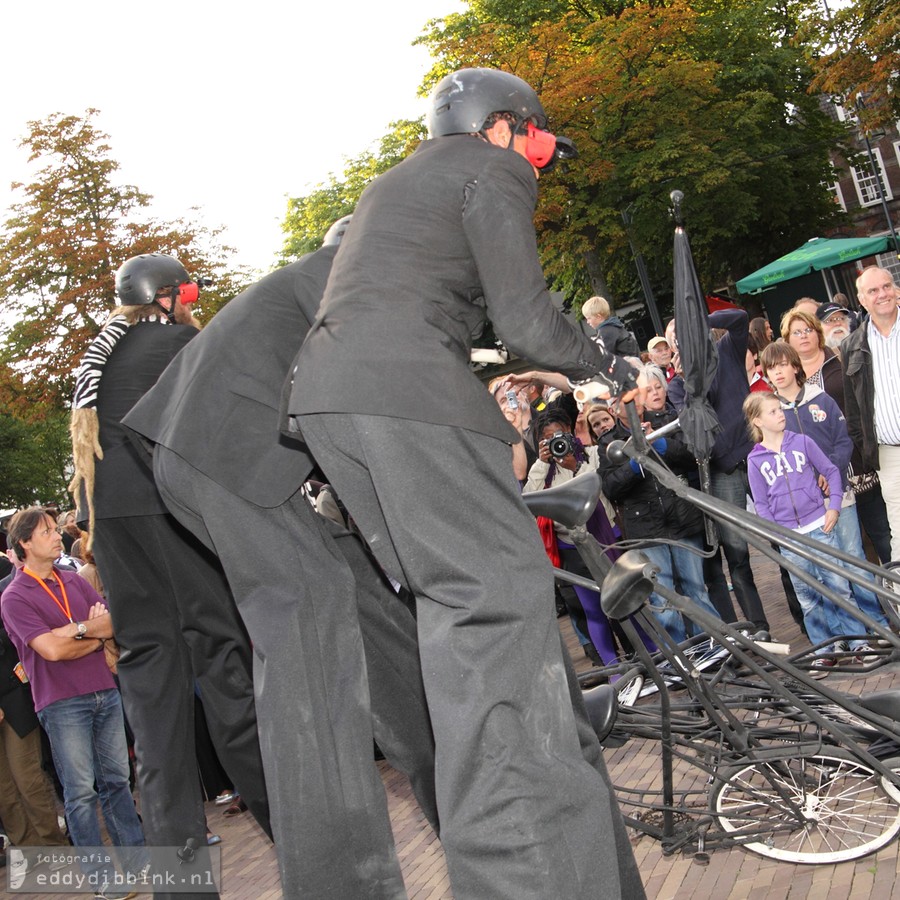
(174, 617)
(419, 453)
(327, 628)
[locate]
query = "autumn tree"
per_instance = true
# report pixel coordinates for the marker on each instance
(310, 216)
(63, 240)
(709, 97)
(855, 51)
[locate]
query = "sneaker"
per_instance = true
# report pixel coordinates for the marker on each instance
(820, 667)
(224, 797)
(865, 654)
(841, 647)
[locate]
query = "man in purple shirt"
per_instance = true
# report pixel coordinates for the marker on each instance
(58, 624)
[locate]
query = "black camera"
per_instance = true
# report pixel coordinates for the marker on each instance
(561, 444)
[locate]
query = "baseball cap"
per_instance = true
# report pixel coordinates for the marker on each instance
(659, 339)
(829, 309)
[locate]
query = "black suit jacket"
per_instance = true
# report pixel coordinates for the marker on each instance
(436, 244)
(217, 403)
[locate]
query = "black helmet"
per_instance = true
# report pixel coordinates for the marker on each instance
(335, 234)
(463, 100)
(139, 278)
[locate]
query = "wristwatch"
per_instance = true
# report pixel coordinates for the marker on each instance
(81, 630)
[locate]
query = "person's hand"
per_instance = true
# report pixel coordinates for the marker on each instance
(568, 462)
(544, 452)
(515, 418)
(98, 609)
(523, 378)
(823, 486)
(831, 518)
(69, 630)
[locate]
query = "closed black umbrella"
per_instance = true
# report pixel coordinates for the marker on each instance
(696, 348)
(699, 357)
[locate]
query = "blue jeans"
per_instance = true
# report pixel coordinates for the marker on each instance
(689, 567)
(87, 737)
(823, 619)
(849, 539)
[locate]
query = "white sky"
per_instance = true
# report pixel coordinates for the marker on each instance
(227, 107)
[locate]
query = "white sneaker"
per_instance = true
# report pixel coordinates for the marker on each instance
(865, 654)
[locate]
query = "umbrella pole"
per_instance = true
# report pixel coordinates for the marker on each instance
(712, 533)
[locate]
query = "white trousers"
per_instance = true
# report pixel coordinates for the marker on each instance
(889, 474)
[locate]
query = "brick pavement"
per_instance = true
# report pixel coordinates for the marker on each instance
(732, 874)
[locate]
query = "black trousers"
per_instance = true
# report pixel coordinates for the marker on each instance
(523, 813)
(328, 631)
(175, 621)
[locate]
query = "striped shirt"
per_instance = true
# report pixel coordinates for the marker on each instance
(886, 372)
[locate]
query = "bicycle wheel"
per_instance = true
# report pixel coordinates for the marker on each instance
(847, 811)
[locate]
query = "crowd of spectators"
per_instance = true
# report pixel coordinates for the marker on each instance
(802, 364)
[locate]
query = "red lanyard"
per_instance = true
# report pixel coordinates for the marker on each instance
(65, 609)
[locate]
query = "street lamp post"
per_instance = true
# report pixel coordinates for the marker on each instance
(643, 276)
(876, 175)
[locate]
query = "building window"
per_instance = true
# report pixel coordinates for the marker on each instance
(844, 114)
(838, 194)
(890, 262)
(867, 185)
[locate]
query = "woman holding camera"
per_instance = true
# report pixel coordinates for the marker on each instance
(562, 456)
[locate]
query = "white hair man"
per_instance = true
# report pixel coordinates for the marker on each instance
(871, 361)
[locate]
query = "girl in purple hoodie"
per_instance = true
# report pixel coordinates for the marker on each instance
(783, 469)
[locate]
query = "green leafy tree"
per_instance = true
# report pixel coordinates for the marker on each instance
(310, 216)
(708, 97)
(34, 446)
(34, 461)
(62, 242)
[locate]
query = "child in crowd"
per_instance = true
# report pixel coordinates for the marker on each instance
(810, 411)
(783, 470)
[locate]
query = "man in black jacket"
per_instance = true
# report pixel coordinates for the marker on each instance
(300, 582)
(174, 619)
(419, 452)
(871, 361)
(728, 470)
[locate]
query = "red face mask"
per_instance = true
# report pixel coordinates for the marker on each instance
(540, 146)
(188, 293)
